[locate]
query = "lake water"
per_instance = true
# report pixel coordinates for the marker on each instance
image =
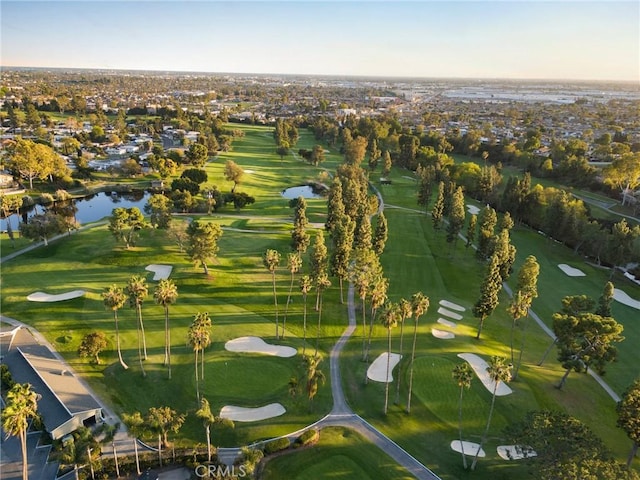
(91, 208)
(304, 191)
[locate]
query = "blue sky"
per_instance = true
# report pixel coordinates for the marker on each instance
(478, 39)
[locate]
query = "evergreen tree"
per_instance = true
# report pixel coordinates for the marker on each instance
(438, 208)
(506, 253)
(363, 234)
(489, 290)
(471, 230)
(374, 154)
(604, 302)
(487, 221)
(386, 164)
(299, 236)
(335, 205)
(628, 409)
(526, 291)
(380, 235)
(426, 176)
(342, 245)
(203, 242)
(585, 340)
(456, 216)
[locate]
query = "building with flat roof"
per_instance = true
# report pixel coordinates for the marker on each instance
(63, 400)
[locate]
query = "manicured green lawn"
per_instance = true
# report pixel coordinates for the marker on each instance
(238, 296)
(429, 264)
(340, 453)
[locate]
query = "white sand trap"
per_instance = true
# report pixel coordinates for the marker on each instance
(622, 297)
(480, 367)
(509, 452)
(45, 297)
(451, 305)
(244, 414)
(449, 313)
(447, 323)
(249, 171)
(378, 369)
(161, 272)
(572, 272)
(257, 345)
(442, 334)
(473, 210)
(470, 448)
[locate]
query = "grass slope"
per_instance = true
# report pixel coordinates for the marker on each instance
(238, 296)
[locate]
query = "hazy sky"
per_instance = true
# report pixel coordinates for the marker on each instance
(489, 39)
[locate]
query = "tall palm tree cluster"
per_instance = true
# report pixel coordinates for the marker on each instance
(135, 292)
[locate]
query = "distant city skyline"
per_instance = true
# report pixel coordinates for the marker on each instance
(563, 40)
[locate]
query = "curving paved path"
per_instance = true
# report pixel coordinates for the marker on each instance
(341, 414)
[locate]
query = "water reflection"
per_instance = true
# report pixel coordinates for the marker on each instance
(87, 209)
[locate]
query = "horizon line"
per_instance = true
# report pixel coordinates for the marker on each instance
(335, 75)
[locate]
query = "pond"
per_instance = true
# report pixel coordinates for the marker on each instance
(304, 191)
(89, 209)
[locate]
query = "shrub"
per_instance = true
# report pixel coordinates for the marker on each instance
(276, 445)
(309, 437)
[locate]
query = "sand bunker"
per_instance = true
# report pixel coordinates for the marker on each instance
(378, 369)
(473, 210)
(162, 272)
(622, 297)
(510, 452)
(470, 448)
(249, 171)
(449, 313)
(451, 305)
(45, 297)
(243, 414)
(447, 323)
(257, 345)
(572, 272)
(480, 367)
(442, 334)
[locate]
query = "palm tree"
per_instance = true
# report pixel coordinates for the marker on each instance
(199, 337)
(322, 282)
(406, 311)
(137, 291)
(166, 294)
(420, 305)
(208, 419)
(110, 431)
(271, 260)
(462, 374)
(305, 287)
(21, 405)
(498, 372)
(294, 264)
(389, 320)
(136, 426)
(315, 376)
(363, 270)
(518, 308)
(379, 289)
(114, 299)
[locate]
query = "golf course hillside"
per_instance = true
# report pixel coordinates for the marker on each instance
(253, 336)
